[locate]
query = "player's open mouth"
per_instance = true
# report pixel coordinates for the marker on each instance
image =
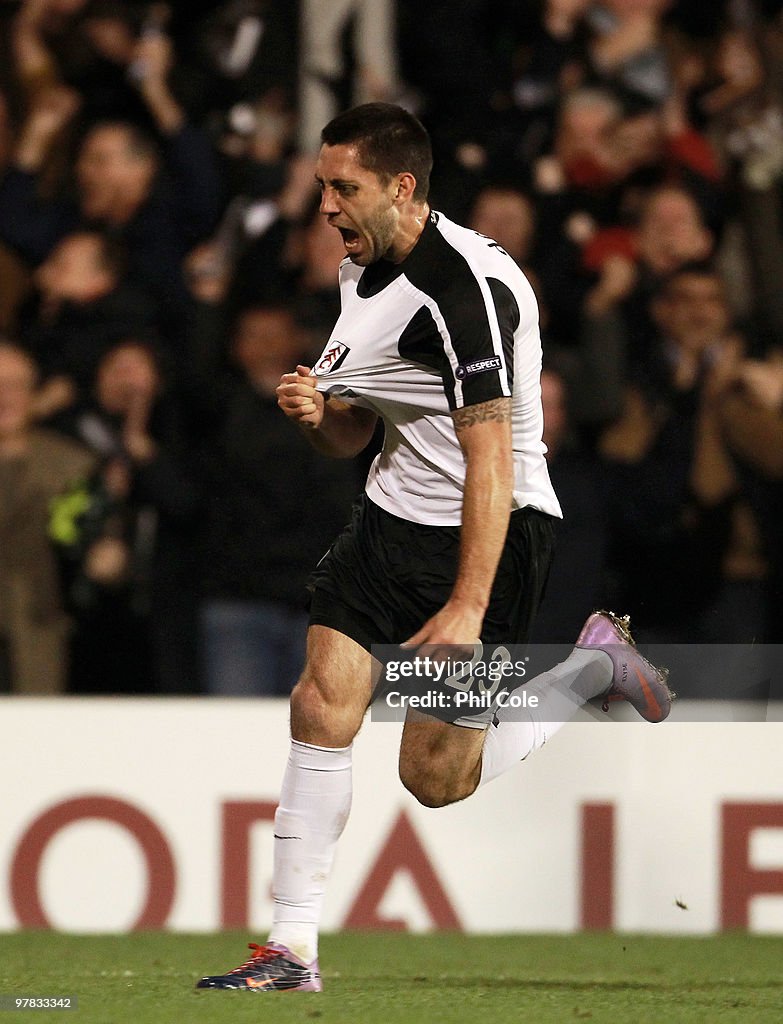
(350, 237)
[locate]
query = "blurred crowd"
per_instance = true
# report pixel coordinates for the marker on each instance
(162, 262)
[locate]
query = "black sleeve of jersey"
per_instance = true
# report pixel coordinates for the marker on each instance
(462, 348)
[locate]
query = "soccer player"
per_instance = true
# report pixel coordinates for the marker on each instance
(438, 336)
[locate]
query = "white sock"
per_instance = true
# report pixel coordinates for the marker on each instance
(315, 800)
(517, 732)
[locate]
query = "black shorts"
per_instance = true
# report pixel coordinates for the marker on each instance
(384, 577)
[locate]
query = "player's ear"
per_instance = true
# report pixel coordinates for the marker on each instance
(406, 186)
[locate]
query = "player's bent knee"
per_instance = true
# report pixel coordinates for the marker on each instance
(424, 791)
(439, 764)
(309, 704)
(317, 717)
(430, 788)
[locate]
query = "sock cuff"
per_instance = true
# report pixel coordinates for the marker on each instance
(322, 759)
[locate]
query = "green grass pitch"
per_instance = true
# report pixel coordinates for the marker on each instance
(407, 979)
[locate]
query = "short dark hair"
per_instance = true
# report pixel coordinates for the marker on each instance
(388, 141)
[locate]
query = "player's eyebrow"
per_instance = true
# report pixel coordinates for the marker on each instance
(336, 182)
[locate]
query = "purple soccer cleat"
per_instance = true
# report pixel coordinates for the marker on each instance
(271, 968)
(635, 679)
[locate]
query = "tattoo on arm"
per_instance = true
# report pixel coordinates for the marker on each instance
(497, 410)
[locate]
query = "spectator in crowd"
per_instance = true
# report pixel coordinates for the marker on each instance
(673, 482)
(86, 45)
(507, 216)
(748, 396)
(744, 100)
(120, 184)
(82, 305)
(270, 501)
(616, 184)
(133, 572)
(36, 466)
(669, 232)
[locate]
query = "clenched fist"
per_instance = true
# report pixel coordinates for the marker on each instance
(298, 398)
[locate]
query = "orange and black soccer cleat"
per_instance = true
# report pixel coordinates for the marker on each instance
(271, 968)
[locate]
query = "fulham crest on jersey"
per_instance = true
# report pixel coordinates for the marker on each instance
(333, 357)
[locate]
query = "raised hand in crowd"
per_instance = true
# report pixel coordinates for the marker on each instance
(34, 62)
(617, 279)
(152, 62)
(623, 31)
(763, 380)
(741, 71)
(53, 396)
(52, 110)
(750, 411)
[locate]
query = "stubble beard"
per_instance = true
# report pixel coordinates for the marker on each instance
(380, 232)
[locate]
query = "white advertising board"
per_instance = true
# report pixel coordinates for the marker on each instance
(123, 813)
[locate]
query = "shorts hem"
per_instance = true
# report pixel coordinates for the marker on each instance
(327, 610)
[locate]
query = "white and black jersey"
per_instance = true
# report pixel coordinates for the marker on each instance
(453, 325)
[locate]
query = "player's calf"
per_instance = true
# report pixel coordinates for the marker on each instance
(440, 763)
